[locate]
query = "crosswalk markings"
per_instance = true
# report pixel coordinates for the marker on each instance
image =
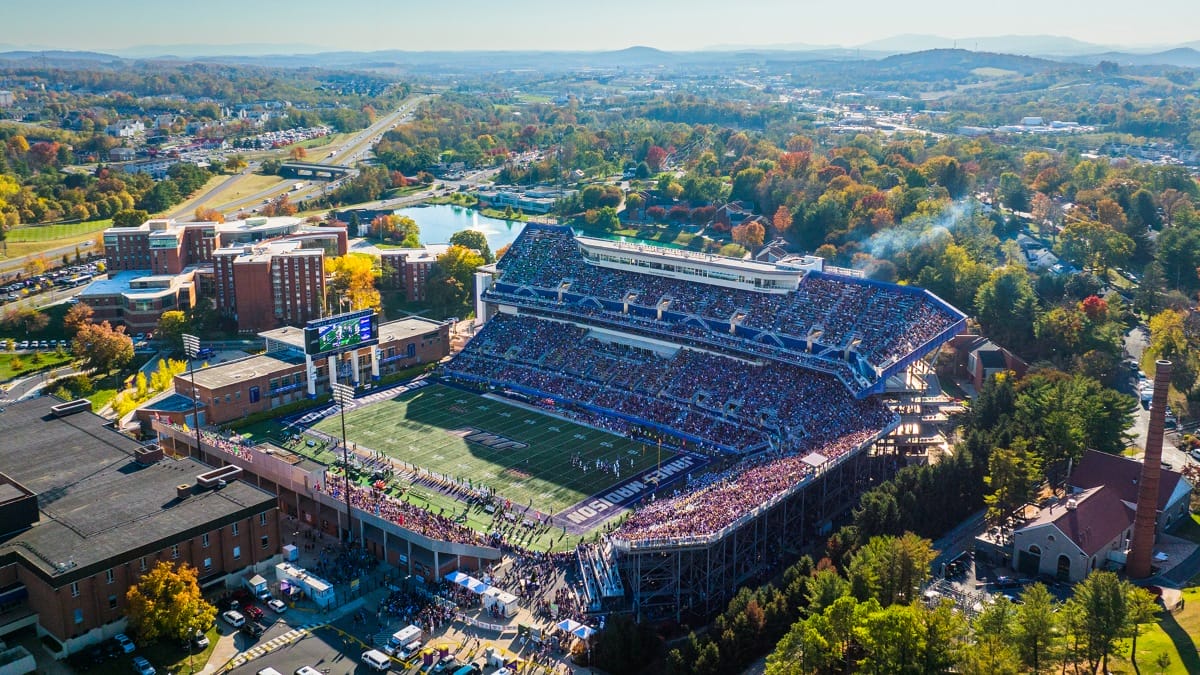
(271, 645)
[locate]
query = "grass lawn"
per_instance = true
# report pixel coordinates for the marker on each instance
(501, 215)
(244, 187)
(321, 142)
(1174, 635)
(426, 428)
(105, 389)
(166, 657)
(35, 239)
(49, 359)
(187, 206)
(36, 233)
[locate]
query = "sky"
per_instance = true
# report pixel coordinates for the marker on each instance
(367, 25)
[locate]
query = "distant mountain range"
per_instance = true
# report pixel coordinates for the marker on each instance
(1051, 47)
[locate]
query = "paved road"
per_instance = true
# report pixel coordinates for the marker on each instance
(16, 264)
(348, 154)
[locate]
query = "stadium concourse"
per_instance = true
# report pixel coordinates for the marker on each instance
(778, 367)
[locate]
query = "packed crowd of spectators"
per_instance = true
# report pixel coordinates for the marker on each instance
(890, 322)
(432, 525)
(728, 403)
(717, 501)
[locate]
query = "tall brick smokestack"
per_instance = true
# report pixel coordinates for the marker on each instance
(1146, 516)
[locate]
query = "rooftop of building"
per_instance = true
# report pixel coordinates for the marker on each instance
(260, 223)
(792, 265)
(1092, 518)
(263, 251)
(97, 505)
(1121, 475)
(400, 329)
(428, 252)
(230, 372)
(121, 283)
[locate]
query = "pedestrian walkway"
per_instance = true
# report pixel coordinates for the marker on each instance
(269, 646)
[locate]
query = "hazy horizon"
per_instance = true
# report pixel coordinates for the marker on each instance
(306, 26)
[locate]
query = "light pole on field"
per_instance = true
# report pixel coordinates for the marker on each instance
(191, 346)
(344, 394)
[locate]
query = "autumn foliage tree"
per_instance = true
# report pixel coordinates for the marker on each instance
(102, 346)
(353, 279)
(205, 215)
(79, 315)
(749, 235)
(166, 604)
(396, 229)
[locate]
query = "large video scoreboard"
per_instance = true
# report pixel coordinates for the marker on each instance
(343, 332)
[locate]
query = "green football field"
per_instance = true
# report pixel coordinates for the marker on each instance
(524, 455)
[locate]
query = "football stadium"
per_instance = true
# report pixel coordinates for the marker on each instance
(775, 370)
(678, 423)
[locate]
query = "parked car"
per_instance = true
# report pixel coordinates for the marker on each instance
(233, 618)
(254, 629)
(278, 605)
(125, 643)
(142, 667)
(199, 641)
(253, 612)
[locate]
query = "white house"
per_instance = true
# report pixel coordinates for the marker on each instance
(126, 128)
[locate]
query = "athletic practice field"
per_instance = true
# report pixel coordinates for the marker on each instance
(524, 455)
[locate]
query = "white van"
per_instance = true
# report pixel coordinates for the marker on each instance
(268, 671)
(401, 638)
(377, 660)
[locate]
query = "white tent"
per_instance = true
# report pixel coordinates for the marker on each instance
(569, 626)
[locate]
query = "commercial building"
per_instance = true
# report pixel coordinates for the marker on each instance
(85, 511)
(285, 374)
(535, 200)
(261, 272)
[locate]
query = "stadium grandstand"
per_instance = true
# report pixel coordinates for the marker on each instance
(774, 368)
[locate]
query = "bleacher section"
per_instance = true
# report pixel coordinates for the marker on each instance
(721, 403)
(857, 330)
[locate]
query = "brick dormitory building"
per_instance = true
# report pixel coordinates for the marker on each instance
(261, 272)
(85, 511)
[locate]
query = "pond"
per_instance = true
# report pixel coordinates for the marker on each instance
(439, 221)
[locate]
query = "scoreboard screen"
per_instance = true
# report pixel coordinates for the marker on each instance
(342, 332)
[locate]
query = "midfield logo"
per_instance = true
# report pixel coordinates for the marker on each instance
(493, 441)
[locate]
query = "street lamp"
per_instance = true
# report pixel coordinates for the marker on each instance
(343, 394)
(191, 346)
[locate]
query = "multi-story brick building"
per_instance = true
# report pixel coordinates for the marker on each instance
(408, 269)
(262, 272)
(85, 511)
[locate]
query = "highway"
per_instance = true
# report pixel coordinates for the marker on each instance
(351, 152)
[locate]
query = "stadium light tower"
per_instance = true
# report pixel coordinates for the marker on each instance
(191, 346)
(343, 394)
